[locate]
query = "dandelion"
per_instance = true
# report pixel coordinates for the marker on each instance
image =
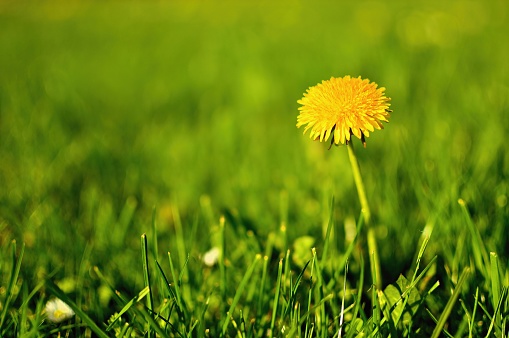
(57, 311)
(341, 107)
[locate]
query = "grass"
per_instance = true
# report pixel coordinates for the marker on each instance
(175, 123)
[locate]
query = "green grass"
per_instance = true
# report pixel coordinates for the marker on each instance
(175, 123)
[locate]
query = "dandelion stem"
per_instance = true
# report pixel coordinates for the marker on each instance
(374, 259)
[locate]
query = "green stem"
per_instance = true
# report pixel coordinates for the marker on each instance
(374, 259)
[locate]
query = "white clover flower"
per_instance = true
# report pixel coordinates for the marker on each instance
(57, 311)
(211, 257)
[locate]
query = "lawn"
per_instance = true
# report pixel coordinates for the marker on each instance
(152, 176)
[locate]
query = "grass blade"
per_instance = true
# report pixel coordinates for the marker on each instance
(9, 294)
(374, 289)
(181, 250)
(472, 320)
(358, 299)
(494, 319)
(495, 288)
(343, 303)
(176, 283)
(479, 250)
(450, 304)
(240, 289)
(276, 297)
(146, 273)
(135, 299)
(261, 291)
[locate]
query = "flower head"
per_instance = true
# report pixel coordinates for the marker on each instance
(57, 311)
(211, 257)
(341, 107)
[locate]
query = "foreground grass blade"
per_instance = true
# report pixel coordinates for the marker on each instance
(472, 320)
(414, 277)
(450, 304)
(166, 283)
(222, 266)
(358, 300)
(495, 288)
(261, 292)
(343, 302)
(16, 266)
(310, 294)
(377, 316)
(304, 317)
(276, 297)
(478, 249)
(57, 292)
(240, 289)
(135, 299)
(146, 273)
(182, 253)
(495, 319)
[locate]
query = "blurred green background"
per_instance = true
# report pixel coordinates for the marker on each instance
(108, 110)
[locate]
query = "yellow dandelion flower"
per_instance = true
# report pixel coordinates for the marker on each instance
(342, 107)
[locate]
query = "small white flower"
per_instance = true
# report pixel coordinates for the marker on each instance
(211, 257)
(57, 311)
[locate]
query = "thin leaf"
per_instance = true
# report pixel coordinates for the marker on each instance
(450, 304)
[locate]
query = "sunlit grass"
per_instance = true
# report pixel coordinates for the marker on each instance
(177, 121)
